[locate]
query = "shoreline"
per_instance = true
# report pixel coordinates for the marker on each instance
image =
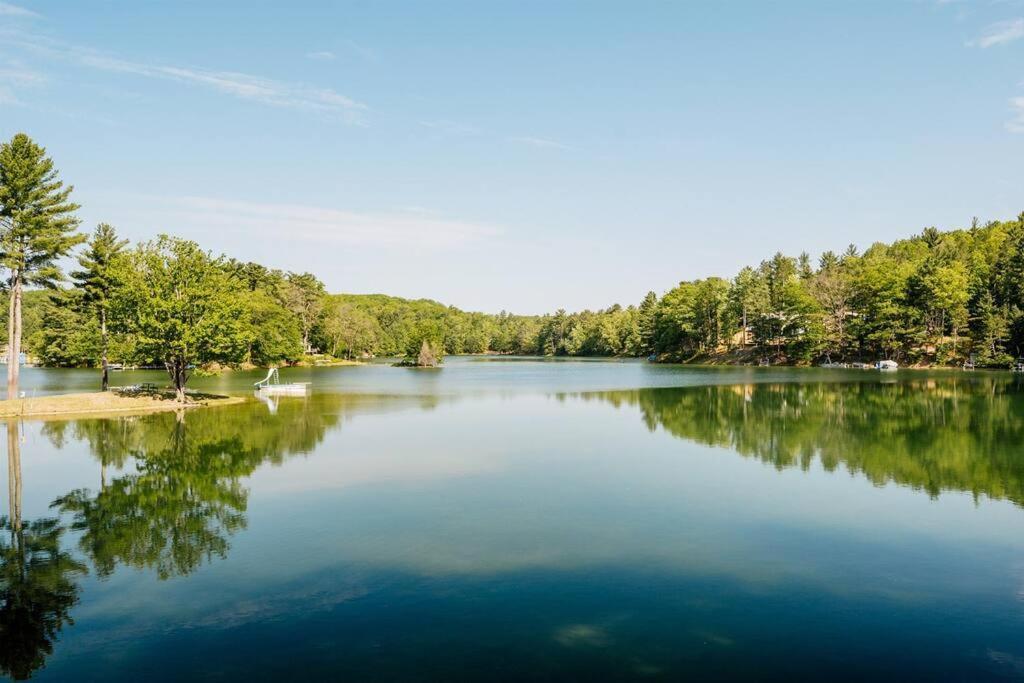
(100, 404)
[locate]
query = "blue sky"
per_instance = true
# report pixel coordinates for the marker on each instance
(522, 155)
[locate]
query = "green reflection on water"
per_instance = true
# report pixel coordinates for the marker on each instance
(932, 435)
(172, 488)
(185, 496)
(37, 579)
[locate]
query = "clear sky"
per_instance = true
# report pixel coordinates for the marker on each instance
(522, 155)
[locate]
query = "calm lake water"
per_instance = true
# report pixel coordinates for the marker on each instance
(525, 520)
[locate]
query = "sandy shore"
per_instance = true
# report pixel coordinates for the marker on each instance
(96, 404)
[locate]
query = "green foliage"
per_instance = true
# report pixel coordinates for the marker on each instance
(347, 330)
(425, 346)
(303, 294)
(97, 263)
(37, 221)
(272, 334)
(96, 284)
(177, 303)
(936, 297)
(71, 337)
(37, 228)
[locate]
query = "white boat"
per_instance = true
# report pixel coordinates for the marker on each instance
(887, 365)
(271, 386)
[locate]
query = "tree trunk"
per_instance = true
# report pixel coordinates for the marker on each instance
(14, 474)
(177, 370)
(14, 337)
(105, 383)
(179, 382)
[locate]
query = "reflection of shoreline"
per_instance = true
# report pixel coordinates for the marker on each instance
(37, 579)
(930, 434)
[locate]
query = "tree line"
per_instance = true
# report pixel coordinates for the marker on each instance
(938, 297)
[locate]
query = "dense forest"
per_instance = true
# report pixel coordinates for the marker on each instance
(936, 298)
(939, 297)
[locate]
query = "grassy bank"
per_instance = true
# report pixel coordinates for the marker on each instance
(100, 403)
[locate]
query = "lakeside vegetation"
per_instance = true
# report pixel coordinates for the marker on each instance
(940, 297)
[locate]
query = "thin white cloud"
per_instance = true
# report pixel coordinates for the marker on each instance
(267, 91)
(320, 55)
(543, 143)
(9, 10)
(292, 222)
(1016, 124)
(1000, 33)
(450, 127)
(15, 73)
(13, 77)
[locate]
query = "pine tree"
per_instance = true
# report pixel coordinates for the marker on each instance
(646, 322)
(37, 227)
(96, 279)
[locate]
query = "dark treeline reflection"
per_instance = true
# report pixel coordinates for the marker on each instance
(934, 434)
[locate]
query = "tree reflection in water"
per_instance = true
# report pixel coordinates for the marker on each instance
(176, 509)
(37, 579)
(932, 434)
(185, 497)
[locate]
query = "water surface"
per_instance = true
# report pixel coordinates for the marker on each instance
(521, 520)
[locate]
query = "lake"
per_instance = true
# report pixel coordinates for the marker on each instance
(516, 519)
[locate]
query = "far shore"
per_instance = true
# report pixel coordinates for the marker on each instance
(100, 403)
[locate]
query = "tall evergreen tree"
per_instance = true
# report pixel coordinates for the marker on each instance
(646, 322)
(37, 227)
(96, 279)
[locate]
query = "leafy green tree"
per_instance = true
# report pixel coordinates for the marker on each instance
(885, 321)
(832, 288)
(303, 295)
(349, 330)
(272, 334)
(37, 228)
(96, 280)
(994, 327)
(947, 288)
(71, 337)
(710, 313)
(426, 345)
(178, 303)
(749, 297)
